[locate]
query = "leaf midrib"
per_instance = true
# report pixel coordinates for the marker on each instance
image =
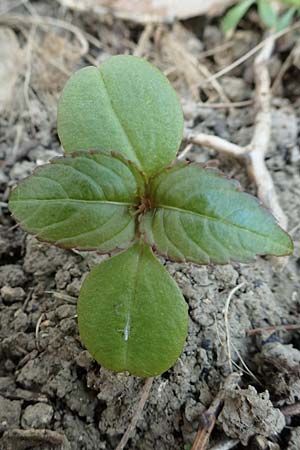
(117, 116)
(73, 200)
(131, 306)
(215, 219)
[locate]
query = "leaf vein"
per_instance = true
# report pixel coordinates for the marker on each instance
(88, 178)
(191, 239)
(218, 220)
(169, 239)
(54, 181)
(126, 134)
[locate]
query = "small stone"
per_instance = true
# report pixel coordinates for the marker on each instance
(20, 321)
(62, 278)
(37, 416)
(21, 170)
(12, 294)
(235, 88)
(68, 326)
(6, 383)
(247, 413)
(12, 275)
(294, 439)
(66, 311)
(42, 156)
(193, 410)
(200, 275)
(9, 365)
(84, 359)
(3, 178)
(226, 274)
(74, 287)
(295, 155)
(10, 412)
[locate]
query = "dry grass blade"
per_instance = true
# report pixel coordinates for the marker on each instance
(295, 327)
(45, 21)
(216, 143)
(252, 52)
(143, 43)
(226, 321)
(137, 414)
(226, 444)
(209, 417)
(291, 410)
(16, 439)
(10, 5)
(11, 65)
(182, 49)
(37, 330)
(254, 153)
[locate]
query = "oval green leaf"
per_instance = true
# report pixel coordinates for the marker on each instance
(266, 13)
(126, 105)
(131, 315)
(82, 201)
(235, 14)
(285, 19)
(198, 215)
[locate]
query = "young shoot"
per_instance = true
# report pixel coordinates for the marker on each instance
(118, 186)
(266, 12)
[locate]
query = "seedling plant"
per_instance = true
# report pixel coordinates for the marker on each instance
(117, 187)
(266, 11)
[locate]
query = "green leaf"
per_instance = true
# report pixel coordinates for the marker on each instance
(84, 200)
(266, 13)
(285, 19)
(131, 314)
(292, 2)
(126, 105)
(198, 215)
(235, 14)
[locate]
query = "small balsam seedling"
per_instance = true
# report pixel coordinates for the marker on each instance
(266, 11)
(117, 187)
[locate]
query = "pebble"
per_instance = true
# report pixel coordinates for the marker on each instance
(10, 411)
(12, 294)
(37, 416)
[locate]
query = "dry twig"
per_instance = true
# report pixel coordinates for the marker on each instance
(23, 394)
(45, 21)
(175, 44)
(220, 105)
(209, 417)
(28, 71)
(252, 52)
(217, 49)
(16, 439)
(273, 328)
(216, 143)
(254, 153)
(291, 410)
(144, 40)
(37, 330)
(283, 69)
(144, 396)
(226, 444)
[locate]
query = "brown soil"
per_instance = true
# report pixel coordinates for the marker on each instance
(47, 379)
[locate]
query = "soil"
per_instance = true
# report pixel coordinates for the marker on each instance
(47, 378)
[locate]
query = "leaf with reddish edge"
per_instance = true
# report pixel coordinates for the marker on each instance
(198, 215)
(85, 200)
